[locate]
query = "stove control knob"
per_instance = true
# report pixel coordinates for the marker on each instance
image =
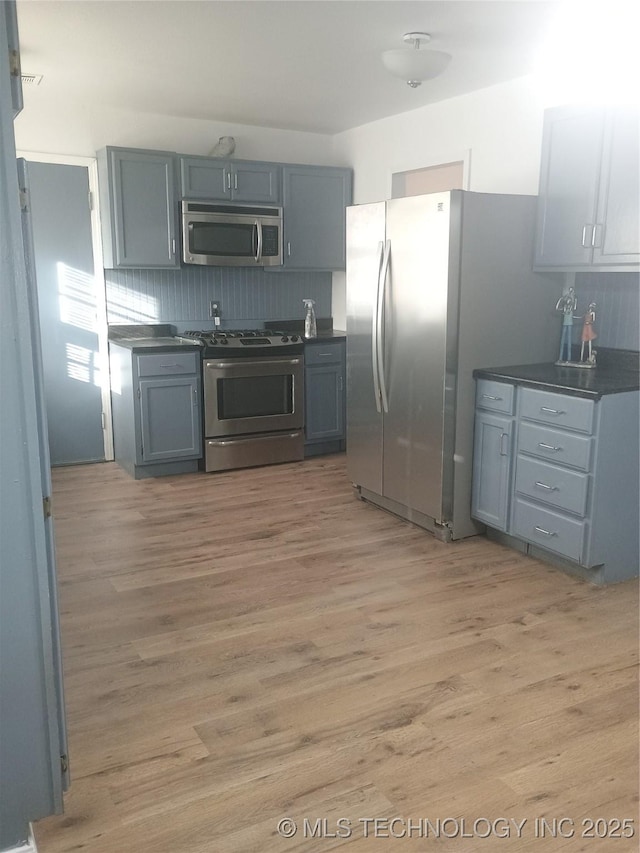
(284, 339)
(294, 338)
(224, 341)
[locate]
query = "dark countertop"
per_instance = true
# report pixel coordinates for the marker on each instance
(159, 344)
(328, 335)
(575, 381)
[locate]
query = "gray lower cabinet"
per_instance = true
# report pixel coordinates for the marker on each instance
(324, 390)
(567, 489)
(138, 208)
(588, 205)
(493, 437)
(315, 199)
(156, 411)
(230, 180)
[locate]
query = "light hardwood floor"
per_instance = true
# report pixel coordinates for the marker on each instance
(259, 644)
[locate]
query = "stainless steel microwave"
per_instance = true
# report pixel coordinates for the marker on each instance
(222, 235)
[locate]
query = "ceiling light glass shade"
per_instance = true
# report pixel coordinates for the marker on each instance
(414, 64)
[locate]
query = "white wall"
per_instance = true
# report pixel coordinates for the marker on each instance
(499, 129)
(67, 130)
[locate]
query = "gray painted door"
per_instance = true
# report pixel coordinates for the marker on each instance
(59, 205)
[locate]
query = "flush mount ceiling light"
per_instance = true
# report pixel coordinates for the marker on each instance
(413, 64)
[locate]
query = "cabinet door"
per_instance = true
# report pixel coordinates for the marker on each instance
(569, 176)
(324, 403)
(314, 201)
(491, 469)
(255, 182)
(170, 418)
(617, 238)
(143, 209)
(201, 177)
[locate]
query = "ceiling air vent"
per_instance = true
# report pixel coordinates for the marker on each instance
(31, 79)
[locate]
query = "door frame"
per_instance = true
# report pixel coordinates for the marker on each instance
(102, 327)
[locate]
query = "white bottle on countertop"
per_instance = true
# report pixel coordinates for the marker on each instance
(310, 330)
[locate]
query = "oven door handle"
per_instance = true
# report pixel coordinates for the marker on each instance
(245, 362)
(224, 442)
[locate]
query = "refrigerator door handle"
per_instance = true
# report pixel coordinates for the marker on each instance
(374, 334)
(382, 286)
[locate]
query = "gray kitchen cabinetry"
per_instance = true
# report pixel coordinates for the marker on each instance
(324, 395)
(493, 435)
(315, 199)
(138, 209)
(571, 477)
(156, 411)
(229, 180)
(589, 209)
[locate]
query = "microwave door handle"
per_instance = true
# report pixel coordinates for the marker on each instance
(259, 232)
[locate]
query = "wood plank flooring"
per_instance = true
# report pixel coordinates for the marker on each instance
(254, 645)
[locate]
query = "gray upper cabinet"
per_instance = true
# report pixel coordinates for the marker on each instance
(14, 56)
(229, 180)
(315, 199)
(588, 209)
(138, 209)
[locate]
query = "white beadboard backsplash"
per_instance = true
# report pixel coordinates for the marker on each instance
(617, 298)
(182, 296)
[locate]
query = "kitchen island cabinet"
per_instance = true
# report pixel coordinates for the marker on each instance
(156, 392)
(324, 394)
(138, 209)
(588, 208)
(564, 484)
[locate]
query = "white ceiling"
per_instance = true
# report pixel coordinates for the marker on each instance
(310, 65)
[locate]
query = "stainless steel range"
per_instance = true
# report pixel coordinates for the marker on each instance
(253, 397)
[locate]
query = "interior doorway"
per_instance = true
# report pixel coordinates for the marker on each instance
(431, 179)
(70, 310)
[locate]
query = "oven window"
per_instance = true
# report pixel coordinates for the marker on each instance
(223, 239)
(255, 396)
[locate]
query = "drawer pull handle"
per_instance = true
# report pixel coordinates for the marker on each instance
(544, 486)
(552, 411)
(491, 397)
(548, 447)
(544, 532)
(168, 366)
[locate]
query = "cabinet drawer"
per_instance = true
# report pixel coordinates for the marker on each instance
(557, 409)
(549, 529)
(495, 396)
(168, 363)
(552, 485)
(564, 448)
(328, 353)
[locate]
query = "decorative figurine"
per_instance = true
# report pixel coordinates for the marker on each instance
(567, 304)
(588, 334)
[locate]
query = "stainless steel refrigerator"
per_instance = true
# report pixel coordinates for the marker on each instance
(437, 285)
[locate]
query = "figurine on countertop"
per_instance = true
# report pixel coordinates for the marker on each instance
(567, 304)
(588, 334)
